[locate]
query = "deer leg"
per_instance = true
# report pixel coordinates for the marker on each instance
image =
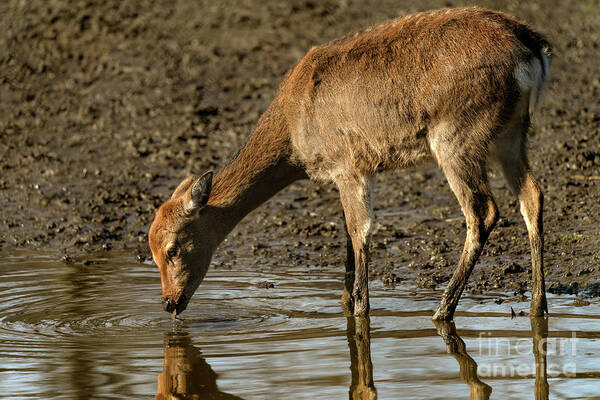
(531, 200)
(512, 156)
(472, 191)
(347, 304)
(355, 198)
(522, 183)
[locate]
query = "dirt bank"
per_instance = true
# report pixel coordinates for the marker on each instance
(105, 107)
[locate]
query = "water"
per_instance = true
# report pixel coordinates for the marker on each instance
(98, 331)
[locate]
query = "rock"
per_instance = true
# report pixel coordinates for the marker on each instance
(265, 285)
(390, 279)
(426, 282)
(580, 303)
(513, 268)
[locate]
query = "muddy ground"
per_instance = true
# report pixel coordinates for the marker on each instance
(105, 106)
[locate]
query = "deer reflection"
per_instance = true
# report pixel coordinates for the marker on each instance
(186, 374)
(468, 367)
(456, 347)
(539, 331)
(361, 367)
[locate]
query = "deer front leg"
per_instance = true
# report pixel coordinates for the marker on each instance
(347, 303)
(355, 198)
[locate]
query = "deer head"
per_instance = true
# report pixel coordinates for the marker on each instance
(182, 239)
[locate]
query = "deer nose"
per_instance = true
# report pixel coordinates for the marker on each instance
(168, 305)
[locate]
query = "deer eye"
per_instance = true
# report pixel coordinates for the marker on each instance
(172, 251)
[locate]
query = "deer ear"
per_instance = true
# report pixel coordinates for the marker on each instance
(198, 193)
(183, 186)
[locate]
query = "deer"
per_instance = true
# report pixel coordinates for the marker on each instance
(457, 86)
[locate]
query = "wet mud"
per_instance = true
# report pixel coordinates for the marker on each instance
(105, 107)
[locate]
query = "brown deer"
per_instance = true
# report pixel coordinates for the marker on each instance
(456, 85)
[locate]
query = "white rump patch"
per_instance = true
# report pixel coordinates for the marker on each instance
(531, 77)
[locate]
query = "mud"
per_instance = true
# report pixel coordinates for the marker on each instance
(105, 107)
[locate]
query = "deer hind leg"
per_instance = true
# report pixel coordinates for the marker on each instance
(467, 177)
(355, 197)
(512, 157)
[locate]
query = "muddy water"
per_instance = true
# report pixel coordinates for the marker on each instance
(97, 331)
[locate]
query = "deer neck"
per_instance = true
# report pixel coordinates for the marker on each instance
(260, 170)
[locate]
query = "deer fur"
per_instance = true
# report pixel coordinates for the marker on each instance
(454, 85)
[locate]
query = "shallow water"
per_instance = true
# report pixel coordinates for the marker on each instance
(98, 331)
